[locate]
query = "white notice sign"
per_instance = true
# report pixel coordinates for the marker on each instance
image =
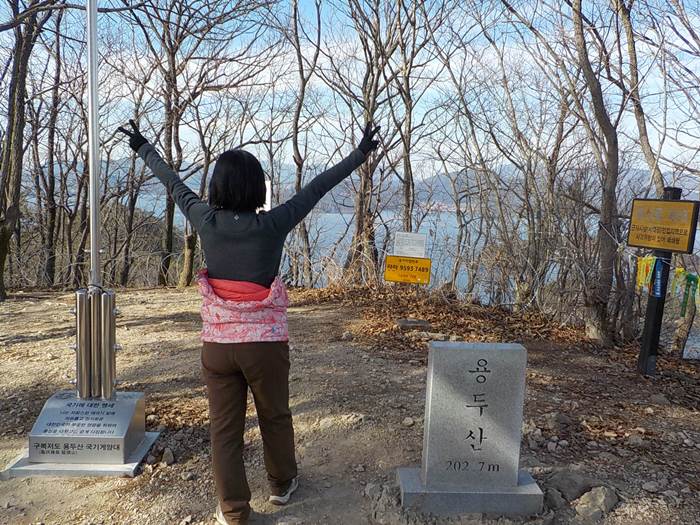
(268, 196)
(409, 244)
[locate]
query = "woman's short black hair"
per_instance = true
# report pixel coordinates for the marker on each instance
(238, 182)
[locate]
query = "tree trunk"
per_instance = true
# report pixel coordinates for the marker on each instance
(126, 259)
(304, 77)
(639, 115)
(306, 254)
(187, 271)
(13, 144)
(628, 326)
(49, 248)
(167, 250)
(168, 138)
(5, 236)
(457, 263)
(80, 261)
(408, 191)
(361, 263)
(408, 183)
(685, 325)
(598, 325)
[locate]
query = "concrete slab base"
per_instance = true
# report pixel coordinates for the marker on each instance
(523, 500)
(22, 468)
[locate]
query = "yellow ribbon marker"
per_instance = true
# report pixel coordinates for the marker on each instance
(645, 270)
(651, 265)
(678, 277)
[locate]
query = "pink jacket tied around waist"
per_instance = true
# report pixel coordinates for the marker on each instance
(229, 321)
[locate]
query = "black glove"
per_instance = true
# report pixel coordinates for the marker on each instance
(368, 144)
(136, 140)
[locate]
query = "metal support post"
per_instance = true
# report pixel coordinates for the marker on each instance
(108, 344)
(82, 347)
(95, 300)
(646, 363)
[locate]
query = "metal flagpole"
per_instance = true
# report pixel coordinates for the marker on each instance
(93, 145)
(93, 354)
(96, 429)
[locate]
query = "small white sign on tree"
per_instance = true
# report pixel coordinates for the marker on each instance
(409, 244)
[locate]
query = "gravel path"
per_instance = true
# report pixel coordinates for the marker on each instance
(357, 417)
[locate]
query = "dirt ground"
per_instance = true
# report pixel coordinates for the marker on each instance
(590, 420)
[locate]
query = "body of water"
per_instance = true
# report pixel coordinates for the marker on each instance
(332, 233)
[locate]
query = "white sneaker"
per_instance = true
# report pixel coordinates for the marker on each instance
(220, 518)
(284, 498)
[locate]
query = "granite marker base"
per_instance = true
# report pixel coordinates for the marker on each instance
(525, 499)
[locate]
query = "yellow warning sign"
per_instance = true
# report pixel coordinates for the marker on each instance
(414, 270)
(663, 224)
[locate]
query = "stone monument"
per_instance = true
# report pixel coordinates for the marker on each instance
(471, 444)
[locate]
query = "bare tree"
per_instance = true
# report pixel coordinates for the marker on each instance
(413, 72)
(13, 147)
(306, 68)
(602, 134)
(193, 46)
(362, 85)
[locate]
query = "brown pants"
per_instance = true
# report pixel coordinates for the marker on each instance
(229, 369)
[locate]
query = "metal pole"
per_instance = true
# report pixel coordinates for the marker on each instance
(82, 347)
(95, 296)
(646, 364)
(108, 341)
(93, 145)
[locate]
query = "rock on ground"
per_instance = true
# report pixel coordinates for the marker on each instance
(595, 503)
(413, 324)
(570, 484)
(651, 486)
(168, 457)
(553, 499)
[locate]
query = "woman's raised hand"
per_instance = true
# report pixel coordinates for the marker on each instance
(368, 144)
(136, 140)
